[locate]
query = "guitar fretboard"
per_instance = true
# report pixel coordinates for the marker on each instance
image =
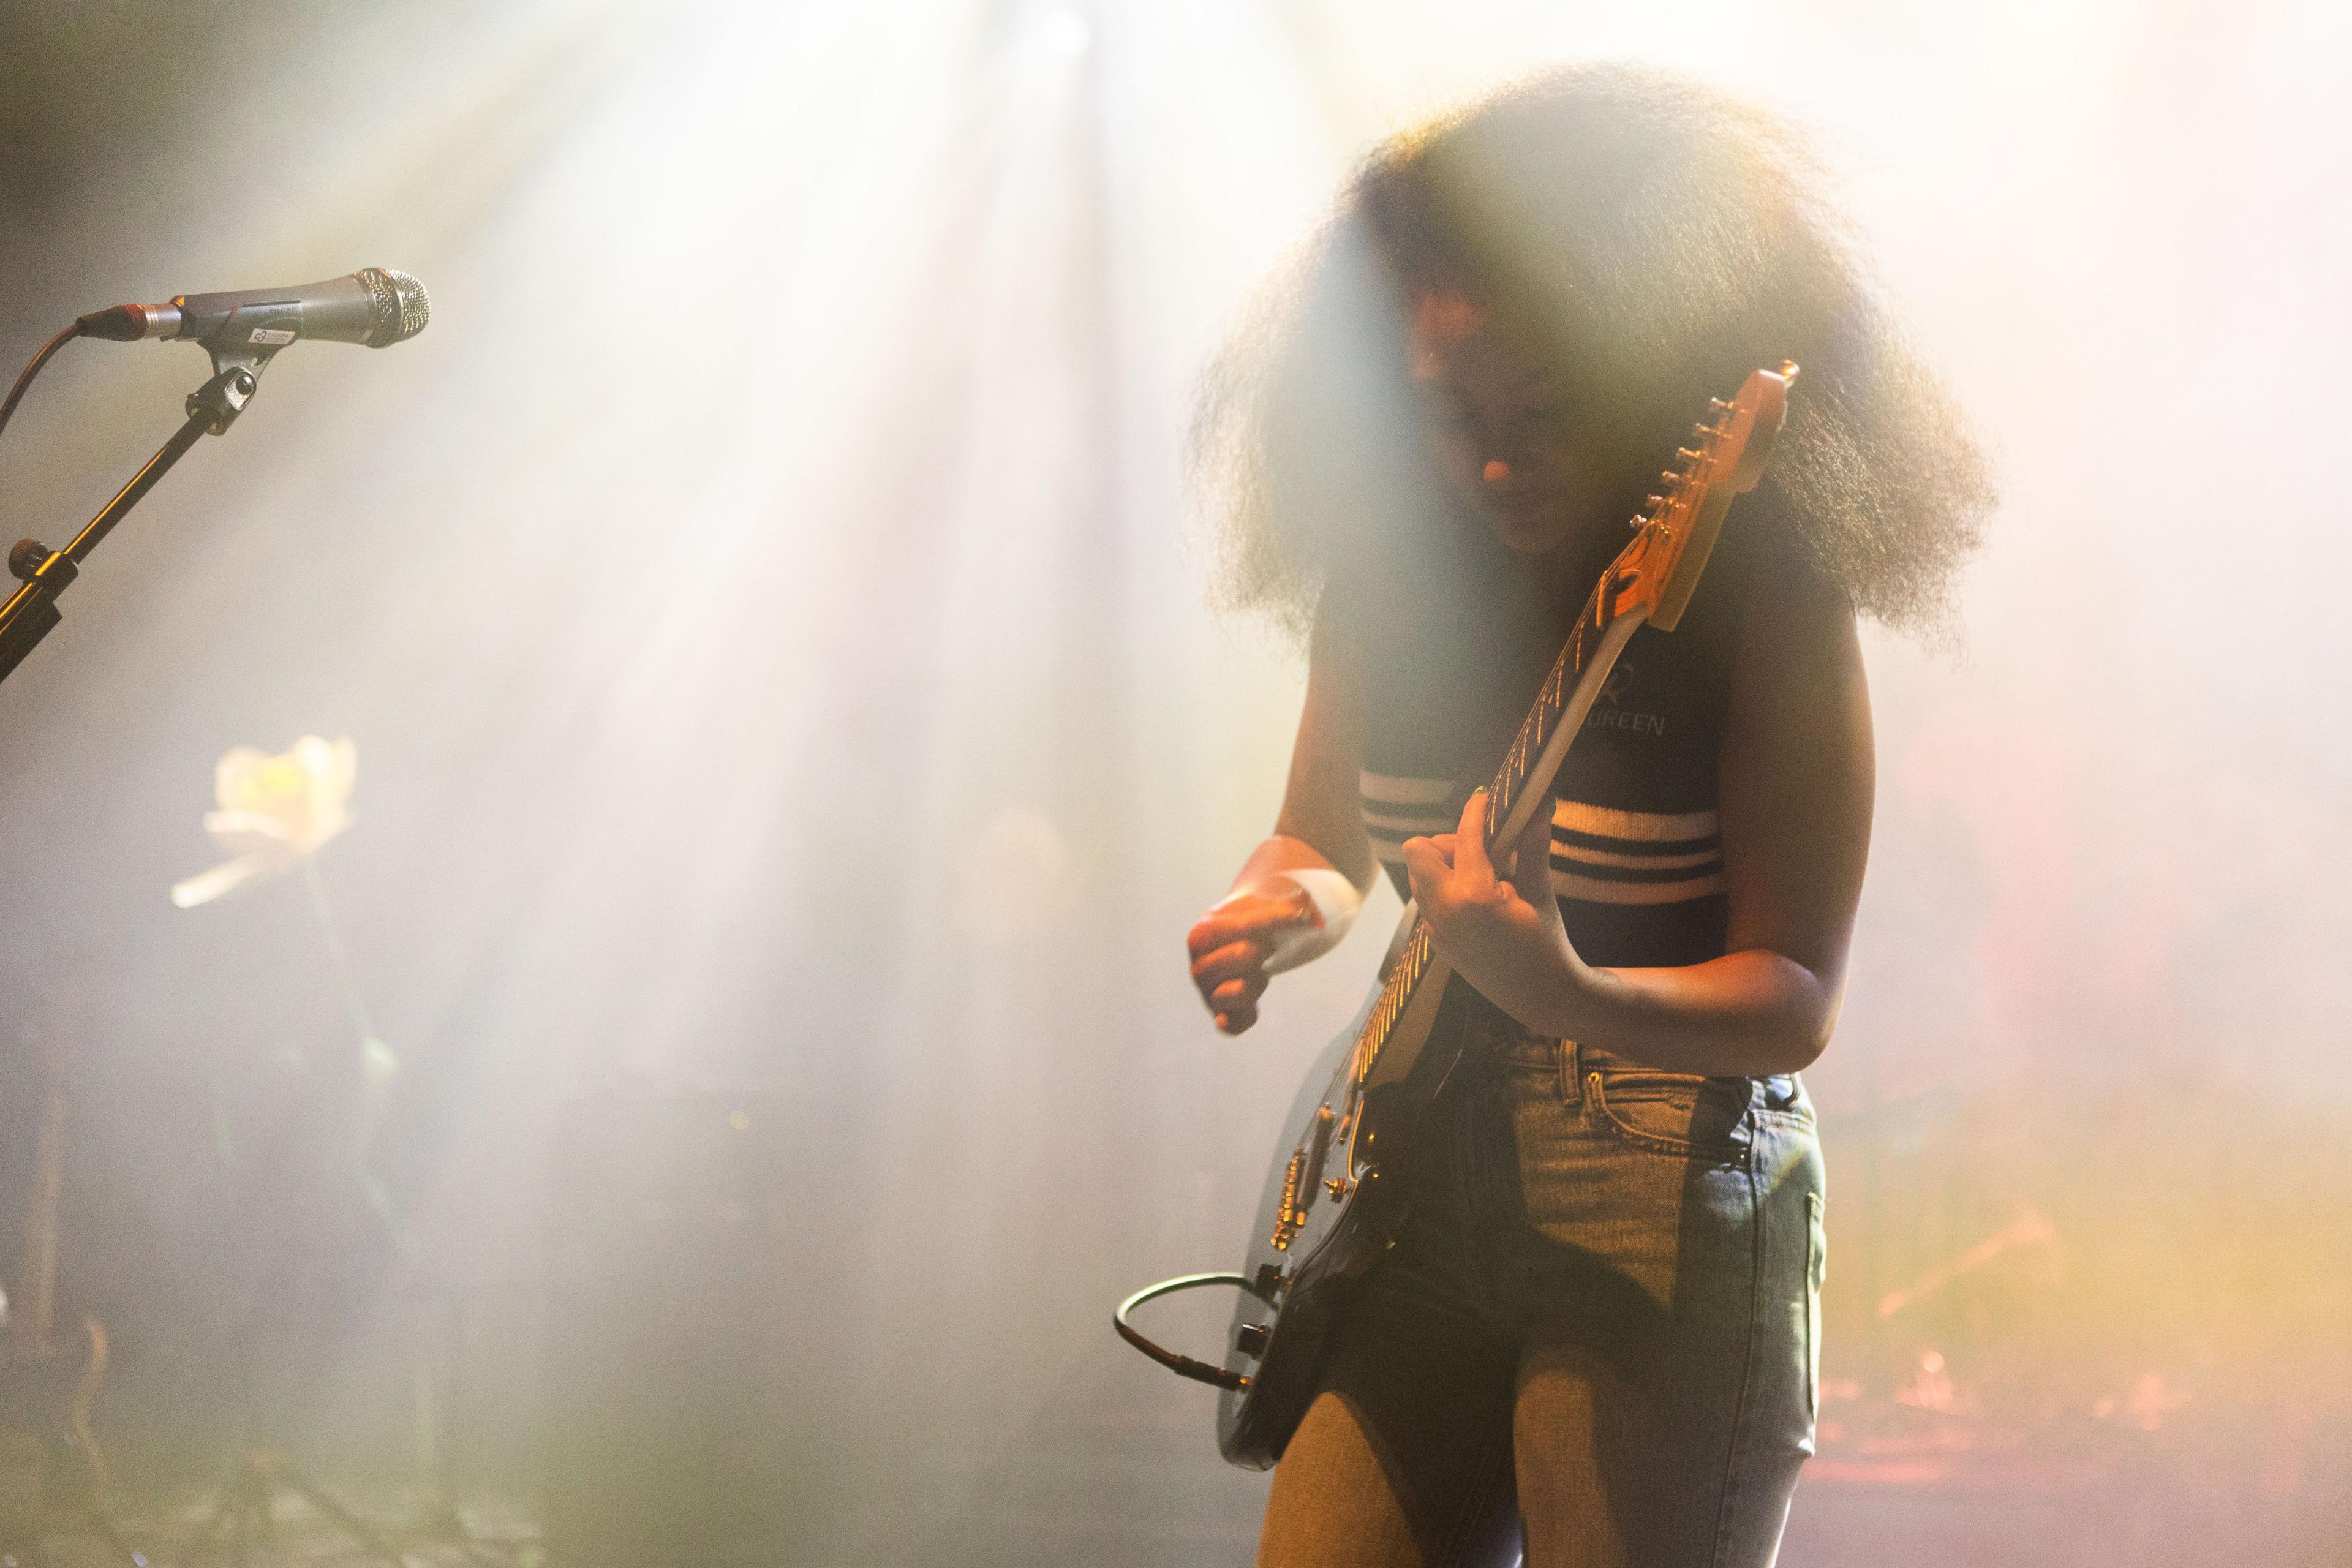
(1535, 730)
(1396, 995)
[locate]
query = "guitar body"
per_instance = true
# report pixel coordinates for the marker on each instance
(1283, 1317)
(1347, 1206)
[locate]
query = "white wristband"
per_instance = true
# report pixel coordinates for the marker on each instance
(1331, 903)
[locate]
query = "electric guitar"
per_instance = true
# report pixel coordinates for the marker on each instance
(1343, 1176)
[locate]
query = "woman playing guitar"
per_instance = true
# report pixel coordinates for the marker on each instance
(1597, 1333)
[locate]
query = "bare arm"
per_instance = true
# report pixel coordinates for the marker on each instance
(1796, 788)
(1320, 828)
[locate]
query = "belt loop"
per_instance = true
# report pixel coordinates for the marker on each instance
(1571, 1072)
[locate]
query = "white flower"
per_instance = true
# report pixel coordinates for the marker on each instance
(273, 811)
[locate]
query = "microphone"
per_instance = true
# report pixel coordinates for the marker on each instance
(374, 306)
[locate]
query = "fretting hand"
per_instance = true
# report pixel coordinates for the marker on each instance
(1511, 947)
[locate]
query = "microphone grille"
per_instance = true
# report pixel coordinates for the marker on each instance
(401, 307)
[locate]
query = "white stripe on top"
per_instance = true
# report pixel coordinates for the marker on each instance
(1393, 791)
(1647, 826)
(1567, 885)
(1397, 807)
(1583, 857)
(1411, 827)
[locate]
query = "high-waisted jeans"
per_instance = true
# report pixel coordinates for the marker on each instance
(1598, 1340)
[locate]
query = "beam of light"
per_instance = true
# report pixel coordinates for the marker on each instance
(762, 596)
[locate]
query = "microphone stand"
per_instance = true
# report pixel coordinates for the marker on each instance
(32, 610)
(241, 348)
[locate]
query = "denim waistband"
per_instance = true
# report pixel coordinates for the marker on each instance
(1516, 1046)
(1522, 1049)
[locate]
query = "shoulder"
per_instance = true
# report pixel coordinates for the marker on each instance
(1794, 623)
(1798, 709)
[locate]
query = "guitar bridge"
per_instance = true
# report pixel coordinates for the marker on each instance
(1289, 1214)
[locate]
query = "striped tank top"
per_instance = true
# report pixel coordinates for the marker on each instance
(1636, 844)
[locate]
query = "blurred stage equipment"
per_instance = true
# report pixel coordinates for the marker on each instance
(1315, 1235)
(274, 813)
(57, 1473)
(666, 1265)
(2030, 1229)
(242, 332)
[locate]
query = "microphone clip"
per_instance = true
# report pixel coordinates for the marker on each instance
(241, 348)
(220, 400)
(246, 341)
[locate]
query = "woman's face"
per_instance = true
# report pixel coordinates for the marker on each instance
(1496, 421)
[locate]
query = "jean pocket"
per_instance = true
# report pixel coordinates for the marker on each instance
(1673, 1112)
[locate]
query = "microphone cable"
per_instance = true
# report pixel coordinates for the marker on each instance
(17, 393)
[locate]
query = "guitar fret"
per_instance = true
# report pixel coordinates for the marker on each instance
(1395, 997)
(1535, 730)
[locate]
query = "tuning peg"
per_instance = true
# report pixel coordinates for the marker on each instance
(1719, 404)
(1687, 457)
(1652, 503)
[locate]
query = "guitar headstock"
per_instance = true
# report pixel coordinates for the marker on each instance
(1677, 527)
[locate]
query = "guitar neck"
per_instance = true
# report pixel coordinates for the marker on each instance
(1521, 786)
(1567, 695)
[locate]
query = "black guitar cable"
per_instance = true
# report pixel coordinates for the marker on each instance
(17, 393)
